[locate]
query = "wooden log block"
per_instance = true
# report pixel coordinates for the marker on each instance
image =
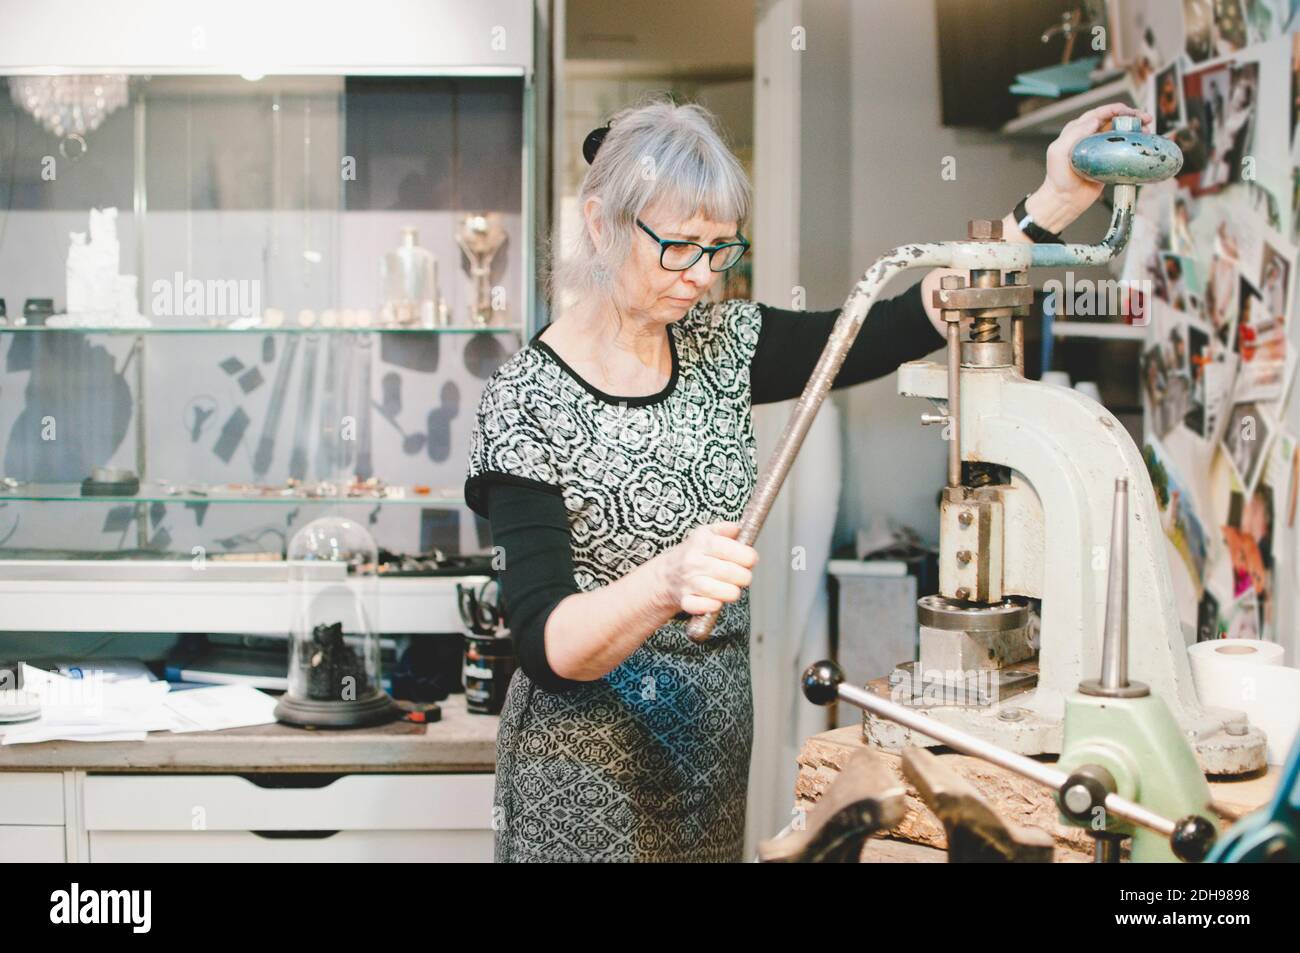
(1018, 800)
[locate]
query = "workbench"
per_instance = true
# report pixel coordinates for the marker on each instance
(920, 836)
(400, 791)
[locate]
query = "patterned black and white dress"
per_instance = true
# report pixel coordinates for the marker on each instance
(650, 762)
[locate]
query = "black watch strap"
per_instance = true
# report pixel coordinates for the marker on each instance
(1036, 232)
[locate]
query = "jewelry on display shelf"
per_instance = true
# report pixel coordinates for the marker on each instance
(480, 237)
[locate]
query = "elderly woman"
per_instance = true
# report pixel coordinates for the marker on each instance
(613, 456)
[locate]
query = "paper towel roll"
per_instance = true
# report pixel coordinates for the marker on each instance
(1247, 675)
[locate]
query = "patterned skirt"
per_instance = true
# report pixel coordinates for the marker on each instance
(649, 763)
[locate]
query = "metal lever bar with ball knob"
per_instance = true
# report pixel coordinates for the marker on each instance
(1124, 157)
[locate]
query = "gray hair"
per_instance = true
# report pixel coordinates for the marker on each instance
(658, 154)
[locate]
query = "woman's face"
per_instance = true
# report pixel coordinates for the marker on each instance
(652, 291)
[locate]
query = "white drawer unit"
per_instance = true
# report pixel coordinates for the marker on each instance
(31, 798)
(215, 817)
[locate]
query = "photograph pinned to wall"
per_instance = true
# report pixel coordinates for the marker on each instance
(1178, 517)
(1246, 442)
(1199, 359)
(1295, 89)
(1274, 282)
(1295, 204)
(1177, 282)
(1283, 474)
(1235, 131)
(1243, 115)
(1220, 377)
(1166, 380)
(1248, 537)
(1239, 230)
(1169, 111)
(1204, 137)
(1279, 408)
(1207, 617)
(1260, 336)
(1180, 228)
(1198, 25)
(1236, 253)
(1262, 381)
(1221, 296)
(1230, 33)
(1241, 618)
(1148, 237)
(1164, 401)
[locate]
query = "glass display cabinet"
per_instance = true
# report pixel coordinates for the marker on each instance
(235, 301)
(206, 300)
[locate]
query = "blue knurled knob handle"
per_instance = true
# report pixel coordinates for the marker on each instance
(1126, 155)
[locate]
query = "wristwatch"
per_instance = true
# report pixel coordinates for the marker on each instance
(1036, 232)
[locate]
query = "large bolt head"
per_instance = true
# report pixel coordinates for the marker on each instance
(1077, 799)
(984, 230)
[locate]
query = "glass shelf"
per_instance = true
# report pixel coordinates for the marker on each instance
(157, 493)
(282, 329)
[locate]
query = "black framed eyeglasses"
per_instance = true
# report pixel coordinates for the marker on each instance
(678, 255)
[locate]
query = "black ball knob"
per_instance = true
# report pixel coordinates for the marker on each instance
(1192, 838)
(821, 682)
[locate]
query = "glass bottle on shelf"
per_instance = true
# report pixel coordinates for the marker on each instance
(408, 283)
(335, 679)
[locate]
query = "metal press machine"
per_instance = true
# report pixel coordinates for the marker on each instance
(1027, 505)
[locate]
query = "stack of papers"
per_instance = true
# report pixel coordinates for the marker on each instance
(123, 706)
(1075, 77)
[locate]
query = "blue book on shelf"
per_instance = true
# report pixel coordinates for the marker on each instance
(1058, 80)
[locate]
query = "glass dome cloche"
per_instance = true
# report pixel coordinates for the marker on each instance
(335, 680)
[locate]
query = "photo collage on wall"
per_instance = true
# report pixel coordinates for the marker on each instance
(1218, 246)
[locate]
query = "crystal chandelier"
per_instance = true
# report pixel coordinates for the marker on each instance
(69, 105)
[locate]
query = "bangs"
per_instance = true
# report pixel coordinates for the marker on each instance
(696, 180)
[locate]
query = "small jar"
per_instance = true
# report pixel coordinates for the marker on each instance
(489, 663)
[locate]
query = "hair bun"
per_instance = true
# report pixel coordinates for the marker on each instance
(592, 143)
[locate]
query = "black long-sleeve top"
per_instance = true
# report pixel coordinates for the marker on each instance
(531, 522)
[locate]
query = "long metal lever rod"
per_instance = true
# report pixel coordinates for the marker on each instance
(824, 681)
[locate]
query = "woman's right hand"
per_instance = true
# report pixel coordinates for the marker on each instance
(706, 569)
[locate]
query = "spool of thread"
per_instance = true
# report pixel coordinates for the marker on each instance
(1247, 675)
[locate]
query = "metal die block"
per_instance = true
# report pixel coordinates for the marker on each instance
(970, 544)
(946, 650)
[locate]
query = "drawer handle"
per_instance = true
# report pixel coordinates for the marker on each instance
(294, 835)
(292, 779)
